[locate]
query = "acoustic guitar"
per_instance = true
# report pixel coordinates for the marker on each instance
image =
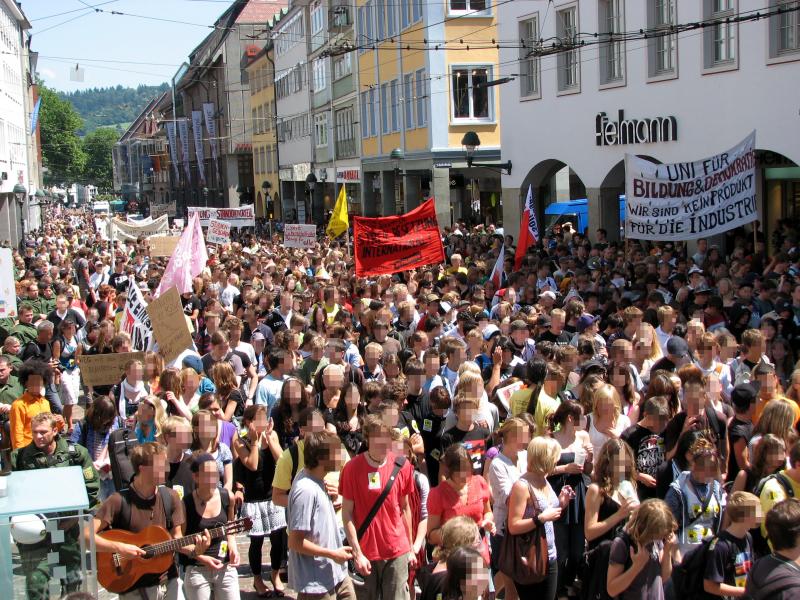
(118, 574)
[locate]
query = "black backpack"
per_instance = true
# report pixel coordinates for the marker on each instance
(594, 569)
(687, 577)
(120, 444)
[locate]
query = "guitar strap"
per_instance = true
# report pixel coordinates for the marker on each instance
(123, 519)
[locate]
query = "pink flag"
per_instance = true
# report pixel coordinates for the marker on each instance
(187, 261)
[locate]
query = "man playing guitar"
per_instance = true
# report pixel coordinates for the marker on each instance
(147, 503)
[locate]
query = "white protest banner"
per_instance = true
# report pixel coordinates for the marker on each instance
(179, 223)
(120, 230)
(240, 216)
(197, 130)
(8, 293)
(686, 201)
(297, 235)
(168, 208)
(139, 220)
(135, 320)
(101, 224)
(219, 232)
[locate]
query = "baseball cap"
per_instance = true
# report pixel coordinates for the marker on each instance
(548, 294)
(518, 325)
(677, 346)
(543, 321)
(585, 321)
(193, 362)
(256, 337)
(431, 298)
(743, 395)
(490, 332)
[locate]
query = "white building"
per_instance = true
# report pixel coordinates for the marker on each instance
(14, 122)
(295, 121)
(703, 89)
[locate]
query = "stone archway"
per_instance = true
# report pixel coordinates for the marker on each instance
(552, 180)
(612, 189)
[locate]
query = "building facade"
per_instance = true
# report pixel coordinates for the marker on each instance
(294, 118)
(426, 72)
(15, 184)
(261, 74)
(675, 94)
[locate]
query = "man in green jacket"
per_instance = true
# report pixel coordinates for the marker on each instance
(49, 450)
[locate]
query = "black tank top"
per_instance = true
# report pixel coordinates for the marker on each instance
(195, 523)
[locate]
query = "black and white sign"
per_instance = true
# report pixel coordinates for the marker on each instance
(689, 200)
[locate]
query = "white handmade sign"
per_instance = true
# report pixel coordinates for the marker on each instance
(219, 232)
(690, 200)
(297, 235)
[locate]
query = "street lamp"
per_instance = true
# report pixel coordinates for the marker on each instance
(311, 184)
(397, 155)
(19, 193)
(471, 141)
(266, 186)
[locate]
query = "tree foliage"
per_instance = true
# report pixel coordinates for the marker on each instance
(98, 146)
(62, 150)
(112, 106)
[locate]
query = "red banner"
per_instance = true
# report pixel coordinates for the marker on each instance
(392, 244)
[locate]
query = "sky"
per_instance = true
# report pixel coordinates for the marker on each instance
(116, 49)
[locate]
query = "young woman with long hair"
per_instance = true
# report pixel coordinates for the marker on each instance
(574, 462)
(205, 437)
(93, 432)
(348, 417)
(257, 451)
(230, 397)
(294, 400)
(606, 421)
(768, 457)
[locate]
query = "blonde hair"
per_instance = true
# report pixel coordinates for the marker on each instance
(172, 423)
(160, 413)
(655, 347)
(543, 455)
(606, 392)
(741, 505)
(466, 382)
(511, 425)
(457, 532)
(651, 521)
(468, 366)
(777, 418)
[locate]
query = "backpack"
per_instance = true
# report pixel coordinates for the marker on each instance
(594, 569)
(687, 577)
(760, 545)
(120, 444)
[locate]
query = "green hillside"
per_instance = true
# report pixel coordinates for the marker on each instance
(113, 107)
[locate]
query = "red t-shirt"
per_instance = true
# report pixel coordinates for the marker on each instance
(445, 502)
(386, 537)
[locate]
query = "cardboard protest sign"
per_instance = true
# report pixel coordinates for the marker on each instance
(135, 321)
(219, 232)
(397, 243)
(105, 369)
(690, 200)
(169, 324)
(162, 245)
(299, 235)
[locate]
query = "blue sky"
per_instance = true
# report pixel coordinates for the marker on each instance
(149, 51)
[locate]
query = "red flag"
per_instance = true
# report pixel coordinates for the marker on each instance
(497, 273)
(528, 230)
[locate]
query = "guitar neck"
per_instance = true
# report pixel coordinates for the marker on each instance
(178, 543)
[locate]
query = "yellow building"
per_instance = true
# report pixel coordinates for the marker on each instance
(423, 69)
(261, 74)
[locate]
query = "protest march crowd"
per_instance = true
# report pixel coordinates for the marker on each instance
(571, 418)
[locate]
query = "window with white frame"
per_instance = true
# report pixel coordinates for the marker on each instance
(380, 18)
(342, 66)
(345, 132)
(373, 112)
(612, 50)
(408, 100)
(289, 35)
(369, 29)
(320, 71)
(360, 25)
(394, 99)
(405, 13)
(719, 40)
(416, 10)
(385, 108)
(318, 22)
(321, 129)
(662, 45)
(568, 62)
(391, 18)
(469, 6)
(363, 98)
(254, 115)
(784, 28)
(471, 97)
(421, 91)
(529, 64)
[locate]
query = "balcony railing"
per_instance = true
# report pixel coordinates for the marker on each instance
(346, 148)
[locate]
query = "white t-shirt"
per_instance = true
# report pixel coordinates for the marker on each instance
(503, 474)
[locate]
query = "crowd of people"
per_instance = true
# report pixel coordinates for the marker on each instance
(612, 420)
